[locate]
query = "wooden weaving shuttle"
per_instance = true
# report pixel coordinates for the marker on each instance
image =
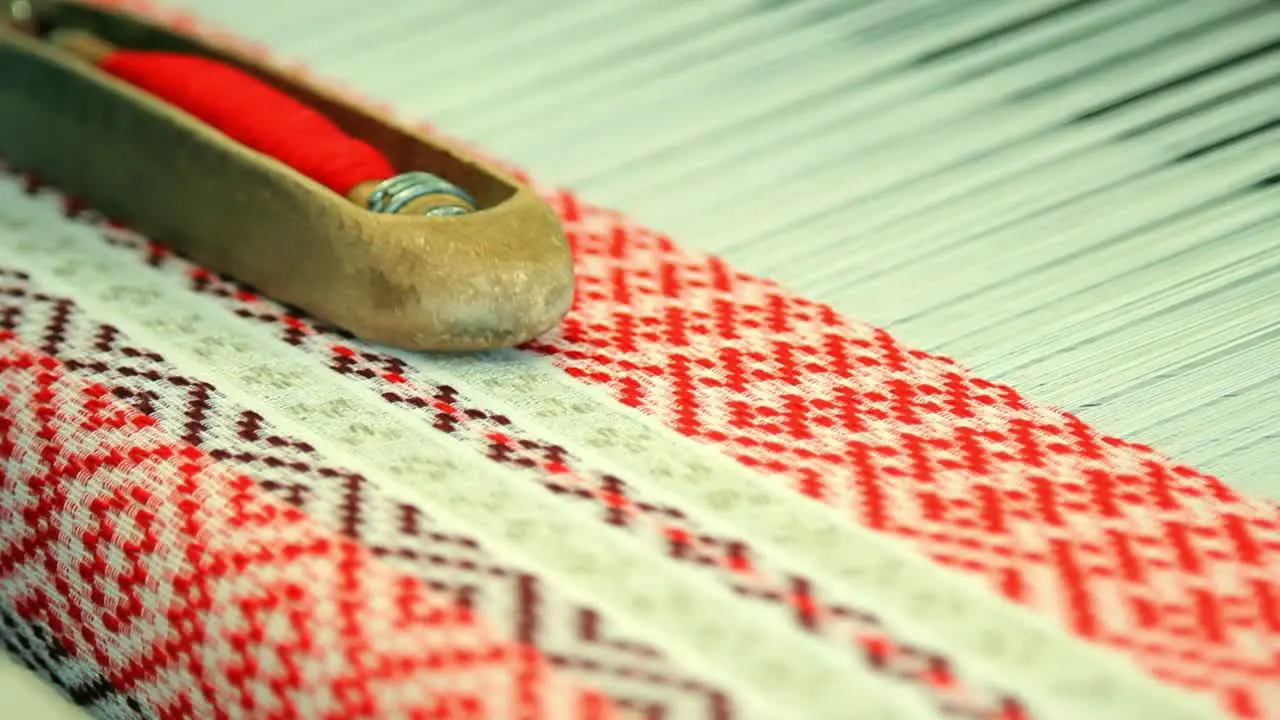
(493, 277)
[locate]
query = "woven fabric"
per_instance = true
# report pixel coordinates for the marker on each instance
(702, 497)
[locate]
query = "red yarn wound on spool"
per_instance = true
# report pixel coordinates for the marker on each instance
(254, 114)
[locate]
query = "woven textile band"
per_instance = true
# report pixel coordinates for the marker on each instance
(702, 497)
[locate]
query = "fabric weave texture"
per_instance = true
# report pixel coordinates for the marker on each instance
(702, 497)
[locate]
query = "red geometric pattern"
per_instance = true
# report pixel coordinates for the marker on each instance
(201, 597)
(1123, 546)
(80, 682)
(1119, 544)
(517, 606)
(619, 504)
(200, 415)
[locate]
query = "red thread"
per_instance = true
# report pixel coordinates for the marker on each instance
(254, 114)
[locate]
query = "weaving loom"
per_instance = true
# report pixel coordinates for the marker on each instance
(1075, 200)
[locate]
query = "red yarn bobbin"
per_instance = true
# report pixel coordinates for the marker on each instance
(254, 114)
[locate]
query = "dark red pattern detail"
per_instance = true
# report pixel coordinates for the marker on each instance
(35, 647)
